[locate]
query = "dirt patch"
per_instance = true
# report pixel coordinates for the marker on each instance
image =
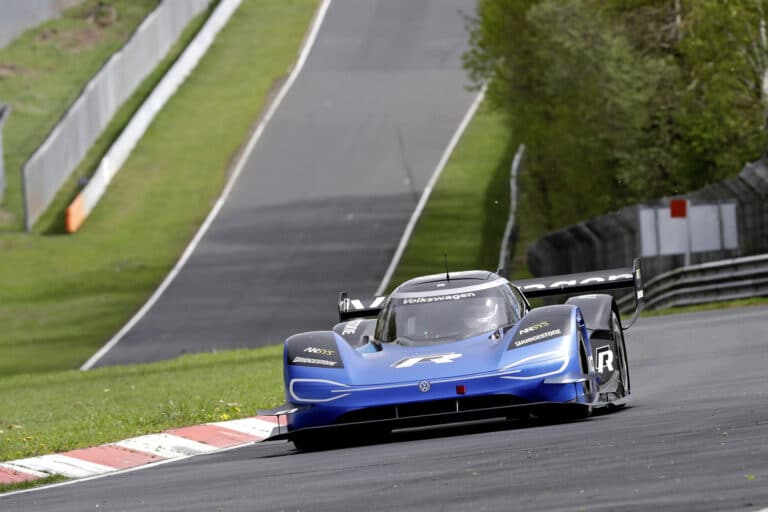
(9, 70)
(6, 217)
(102, 15)
(98, 17)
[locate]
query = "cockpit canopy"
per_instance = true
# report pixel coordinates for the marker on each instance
(435, 312)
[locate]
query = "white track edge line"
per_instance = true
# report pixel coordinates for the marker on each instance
(224, 195)
(428, 191)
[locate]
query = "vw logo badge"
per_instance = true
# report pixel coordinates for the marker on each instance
(424, 386)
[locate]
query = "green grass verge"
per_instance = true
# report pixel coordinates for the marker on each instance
(53, 221)
(44, 70)
(64, 296)
(469, 206)
(65, 410)
(32, 483)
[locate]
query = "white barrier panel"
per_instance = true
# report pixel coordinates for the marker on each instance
(55, 160)
(707, 227)
(120, 150)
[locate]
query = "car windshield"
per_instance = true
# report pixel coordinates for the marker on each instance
(448, 316)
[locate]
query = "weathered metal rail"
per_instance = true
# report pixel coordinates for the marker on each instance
(737, 278)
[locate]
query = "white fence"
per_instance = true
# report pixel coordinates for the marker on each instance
(53, 162)
(118, 153)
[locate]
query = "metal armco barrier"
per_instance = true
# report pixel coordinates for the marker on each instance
(610, 241)
(510, 230)
(4, 111)
(55, 160)
(738, 278)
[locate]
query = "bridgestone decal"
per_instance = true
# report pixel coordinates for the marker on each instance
(314, 349)
(539, 337)
(310, 360)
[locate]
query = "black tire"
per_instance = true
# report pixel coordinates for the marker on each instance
(316, 440)
(311, 441)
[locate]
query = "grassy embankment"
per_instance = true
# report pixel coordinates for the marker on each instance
(64, 295)
(63, 410)
(44, 70)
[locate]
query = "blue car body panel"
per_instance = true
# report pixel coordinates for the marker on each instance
(396, 375)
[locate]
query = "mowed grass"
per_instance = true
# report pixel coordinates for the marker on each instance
(53, 221)
(61, 411)
(64, 296)
(42, 73)
(469, 206)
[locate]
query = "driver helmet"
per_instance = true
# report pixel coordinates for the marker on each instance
(482, 315)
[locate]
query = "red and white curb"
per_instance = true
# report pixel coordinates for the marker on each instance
(177, 443)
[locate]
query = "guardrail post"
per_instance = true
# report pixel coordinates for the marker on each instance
(4, 111)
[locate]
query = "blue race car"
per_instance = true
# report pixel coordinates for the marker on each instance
(455, 347)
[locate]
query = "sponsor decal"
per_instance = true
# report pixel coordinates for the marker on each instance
(311, 360)
(320, 351)
(538, 337)
(425, 386)
(351, 327)
(356, 304)
(431, 358)
(574, 282)
(439, 298)
(604, 359)
(534, 327)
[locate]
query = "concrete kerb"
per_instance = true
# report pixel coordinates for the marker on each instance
(143, 451)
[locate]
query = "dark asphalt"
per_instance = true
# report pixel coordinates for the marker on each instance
(325, 195)
(695, 438)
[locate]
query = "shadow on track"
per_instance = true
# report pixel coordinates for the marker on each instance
(332, 440)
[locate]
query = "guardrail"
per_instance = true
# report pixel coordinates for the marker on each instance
(738, 278)
(611, 240)
(510, 230)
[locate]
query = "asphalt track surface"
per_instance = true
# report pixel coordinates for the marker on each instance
(326, 193)
(694, 438)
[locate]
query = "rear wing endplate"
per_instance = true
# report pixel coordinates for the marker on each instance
(357, 308)
(589, 282)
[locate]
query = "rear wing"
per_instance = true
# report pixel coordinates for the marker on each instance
(357, 308)
(589, 282)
